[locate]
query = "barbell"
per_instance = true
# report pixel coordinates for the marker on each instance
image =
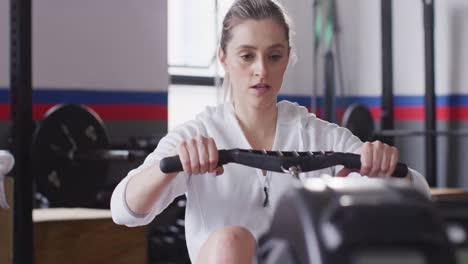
(358, 119)
(71, 156)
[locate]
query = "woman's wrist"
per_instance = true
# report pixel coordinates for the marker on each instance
(164, 176)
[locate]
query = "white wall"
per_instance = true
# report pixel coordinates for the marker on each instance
(452, 46)
(360, 42)
(298, 78)
(408, 47)
(106, 44)
(119, 45)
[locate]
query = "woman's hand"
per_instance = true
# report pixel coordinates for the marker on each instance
(377, 160)
(199, 155)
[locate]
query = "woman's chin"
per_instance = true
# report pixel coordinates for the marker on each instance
(258, 99)
(264, 102)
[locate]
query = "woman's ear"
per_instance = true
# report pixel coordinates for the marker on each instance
(222, 58)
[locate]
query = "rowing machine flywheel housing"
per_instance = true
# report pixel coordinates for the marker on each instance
(343, 221)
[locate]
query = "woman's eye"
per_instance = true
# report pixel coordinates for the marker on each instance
(275, 57)
(247, 56)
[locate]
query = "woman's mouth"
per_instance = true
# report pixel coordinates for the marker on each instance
(261, 87)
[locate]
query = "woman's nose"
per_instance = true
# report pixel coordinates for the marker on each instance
(260, 69)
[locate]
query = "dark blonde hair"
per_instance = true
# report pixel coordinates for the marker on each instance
(242, 10)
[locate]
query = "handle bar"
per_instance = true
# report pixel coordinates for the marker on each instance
(282, 161)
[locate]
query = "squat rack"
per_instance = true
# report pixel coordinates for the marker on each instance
(22, 128)
(387, 116)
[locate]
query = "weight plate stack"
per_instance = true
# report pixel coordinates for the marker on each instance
(64, 179)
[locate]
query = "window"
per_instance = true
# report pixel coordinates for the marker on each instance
(194, 28)
(193, 36)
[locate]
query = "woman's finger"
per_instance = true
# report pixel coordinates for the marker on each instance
(184, 157)
(203, 156)
(385, 164)
(344, 172)
(213, 155)
(193, 154)
(377, 147)
(393, 160)
(366, 158)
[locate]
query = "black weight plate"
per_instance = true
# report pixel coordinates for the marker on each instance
(358, 119)
(64, 181)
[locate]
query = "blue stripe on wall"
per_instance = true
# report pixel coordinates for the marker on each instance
(92, 97)
(301, 100)
(401, 100)
(160, 98)
(452, 100)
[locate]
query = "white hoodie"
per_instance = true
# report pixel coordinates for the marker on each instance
(6, 164)
(236, 197)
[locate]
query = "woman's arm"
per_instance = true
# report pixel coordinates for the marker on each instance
(145, 187)
(147, 191)
(144, 193)
(198, 155)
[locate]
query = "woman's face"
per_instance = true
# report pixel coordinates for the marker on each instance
(256, 59)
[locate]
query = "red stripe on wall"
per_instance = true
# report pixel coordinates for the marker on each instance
(452, 113)
(409, 113)
(159, 112)
(39, 110)
(417, 113)
(131, 112)
(4, 112)
(443, 113)
(375, 112)
(105, 112)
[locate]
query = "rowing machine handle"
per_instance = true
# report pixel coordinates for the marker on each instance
(280, 161)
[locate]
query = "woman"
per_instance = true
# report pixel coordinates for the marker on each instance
(227, 208)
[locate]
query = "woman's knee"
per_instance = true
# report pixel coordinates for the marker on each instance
(234, 236)
(231, 244)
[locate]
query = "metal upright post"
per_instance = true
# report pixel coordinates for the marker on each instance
(387, 118)
(21, 117)
(429, 98)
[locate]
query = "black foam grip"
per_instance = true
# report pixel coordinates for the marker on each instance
(171, 164)
(353, 161)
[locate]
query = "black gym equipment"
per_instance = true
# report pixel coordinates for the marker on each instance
(71, 159)
(386, 118)
(61, 176)
(429, 97)
(358, 119)
(338, 222)
(387, 122)
(167, 242)
(22, 124)
(356, 225)
(326, 37)
(453, 207)
(71, 156)
(283, 161)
